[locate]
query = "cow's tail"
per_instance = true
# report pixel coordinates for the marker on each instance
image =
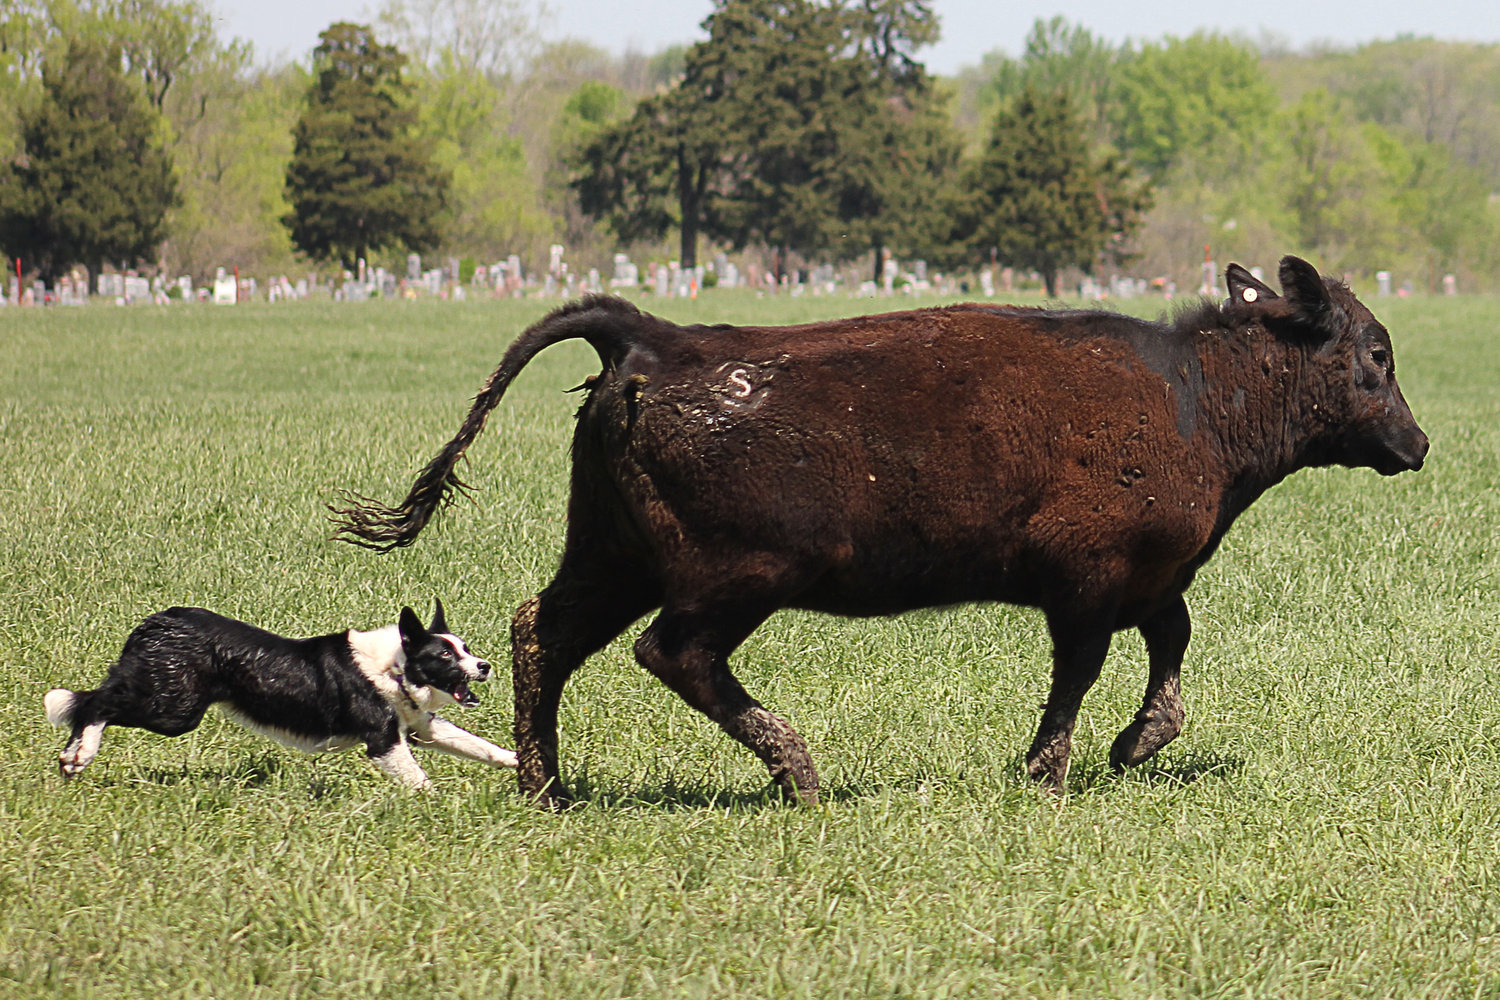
(608, 323)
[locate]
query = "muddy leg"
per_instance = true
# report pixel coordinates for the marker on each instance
(1160, 717)
(1078, 650)
(689, 651)
(551, 634)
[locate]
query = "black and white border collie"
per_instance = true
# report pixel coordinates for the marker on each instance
(382, 688)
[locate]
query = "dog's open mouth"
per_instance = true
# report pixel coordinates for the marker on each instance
(462, 695)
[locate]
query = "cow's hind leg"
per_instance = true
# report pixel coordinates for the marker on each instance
(1078, 651)
(688, 651)
(1160, 717)
(551, 635)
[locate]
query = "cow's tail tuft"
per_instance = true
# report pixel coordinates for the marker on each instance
(608, 323)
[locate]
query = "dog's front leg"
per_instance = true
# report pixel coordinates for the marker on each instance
(437, 733)
(398, 762)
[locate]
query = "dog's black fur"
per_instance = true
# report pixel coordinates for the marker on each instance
(331, 692)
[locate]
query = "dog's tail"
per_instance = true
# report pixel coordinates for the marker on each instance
(62, 706)
(610, 325)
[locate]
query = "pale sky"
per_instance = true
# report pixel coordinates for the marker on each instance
(289, 28)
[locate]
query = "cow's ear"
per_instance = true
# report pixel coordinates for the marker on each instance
(410, 626)
(1246, 287)
(1304, 288)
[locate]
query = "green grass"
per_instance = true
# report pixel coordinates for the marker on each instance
(1327, 825)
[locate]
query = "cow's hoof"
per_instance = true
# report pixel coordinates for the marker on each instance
(552, 798)
(798, 794)
(1049, 775)
(1139, 742)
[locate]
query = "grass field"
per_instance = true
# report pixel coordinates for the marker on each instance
(1328, 825)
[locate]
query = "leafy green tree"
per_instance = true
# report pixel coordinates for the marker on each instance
(1336, 192)
(92, 183)
(359, 180)
(1187, 94)
(1058, 56)
(1429, 90)
(1040, 198)
(1440, 205)
(232, 128)
(494, 205)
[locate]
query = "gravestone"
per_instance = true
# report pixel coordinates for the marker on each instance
(626, 275)
(226, 292)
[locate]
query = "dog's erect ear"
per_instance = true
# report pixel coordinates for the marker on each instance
(410, 626)
(439, 623)
(1246, 287)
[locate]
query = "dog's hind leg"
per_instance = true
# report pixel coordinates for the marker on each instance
(73, 709)
(81, 749)
(439, 734)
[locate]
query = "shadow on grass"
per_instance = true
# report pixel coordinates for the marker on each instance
(1187, 769)
(671, 795)
(252, 772)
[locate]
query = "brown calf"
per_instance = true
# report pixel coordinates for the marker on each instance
(1083, 463)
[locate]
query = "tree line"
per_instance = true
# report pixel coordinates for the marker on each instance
(799, 131)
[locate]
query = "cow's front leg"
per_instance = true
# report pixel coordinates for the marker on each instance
(1160, 717)
(1078, 650)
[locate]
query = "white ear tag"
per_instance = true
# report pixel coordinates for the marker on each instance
(1249, 295)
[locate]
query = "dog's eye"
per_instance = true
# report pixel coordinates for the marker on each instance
(446, 654)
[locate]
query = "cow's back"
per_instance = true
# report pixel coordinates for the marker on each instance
(906, 460)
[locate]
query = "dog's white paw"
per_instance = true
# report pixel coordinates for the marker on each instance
(80, 753)
(69, 764)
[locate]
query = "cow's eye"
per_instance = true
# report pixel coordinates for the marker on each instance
(1379, 356)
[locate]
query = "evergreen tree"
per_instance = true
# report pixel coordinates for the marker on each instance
(803, 126)
(1039, 199)
(658, 170)
(359, 182)
(92, 183)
